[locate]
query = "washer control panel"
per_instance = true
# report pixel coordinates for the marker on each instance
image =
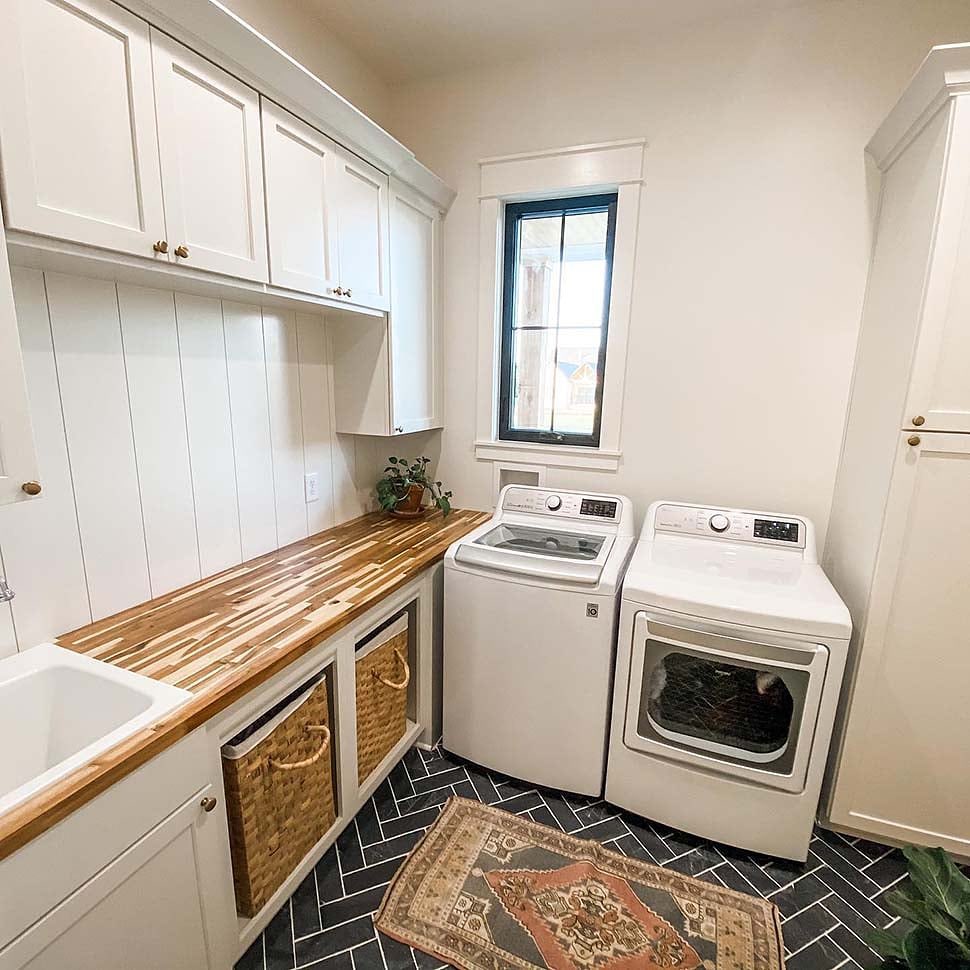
(730, 524)
(567, 504)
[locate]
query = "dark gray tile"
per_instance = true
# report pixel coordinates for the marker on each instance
(306, 907)
(278, 939)
(418, 803)
(384, 801)
(521, 803)
(396, 955)
(823, 954)
(368, 956)
(368, 827)
(800, 894)
(334, 940)
(443, 779)
(864, 907)
(378, 875)
(696, 861)
(410, 823)
(565, 816)
(392, 848)
(838, 863)
(857, 949)
(888, 870)
(349, 850)
(808, 925)
(611, 828)
(252, 959)
(329, 886)
(400, 782)
(350, 907)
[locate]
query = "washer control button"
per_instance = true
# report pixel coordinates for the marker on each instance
(719, 523)
(553, 502)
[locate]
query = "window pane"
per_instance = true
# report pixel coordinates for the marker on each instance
(537, 284)
(576, 379)
(533, 379)
(583, 270)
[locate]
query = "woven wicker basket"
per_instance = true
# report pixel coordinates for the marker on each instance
(279, 796)
(382, 678)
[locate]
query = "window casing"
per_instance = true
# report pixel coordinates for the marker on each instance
(557, 277)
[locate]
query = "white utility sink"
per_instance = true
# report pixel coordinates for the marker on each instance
(60, 710)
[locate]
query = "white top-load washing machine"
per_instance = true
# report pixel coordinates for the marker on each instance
(530, 616)
(731, 649)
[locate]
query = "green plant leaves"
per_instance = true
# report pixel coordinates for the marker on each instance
(400, 474)
(925, 950)
(885, 944)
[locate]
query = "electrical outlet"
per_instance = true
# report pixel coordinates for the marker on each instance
(311, 484)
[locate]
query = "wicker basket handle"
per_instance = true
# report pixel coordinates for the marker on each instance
(396, 685)
(314, 758)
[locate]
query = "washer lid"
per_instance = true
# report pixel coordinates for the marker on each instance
(750, 586)
(538, 551)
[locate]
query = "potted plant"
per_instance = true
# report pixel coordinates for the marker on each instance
(935, 899)
(401, 490)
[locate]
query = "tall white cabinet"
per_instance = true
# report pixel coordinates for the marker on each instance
(898, 546)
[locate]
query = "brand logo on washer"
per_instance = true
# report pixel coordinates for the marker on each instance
(592, 610)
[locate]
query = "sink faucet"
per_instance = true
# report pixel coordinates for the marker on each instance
(6, 593)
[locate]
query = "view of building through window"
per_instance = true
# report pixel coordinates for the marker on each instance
(558, 320)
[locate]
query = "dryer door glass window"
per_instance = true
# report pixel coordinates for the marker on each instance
(544, 542)
(743, 710)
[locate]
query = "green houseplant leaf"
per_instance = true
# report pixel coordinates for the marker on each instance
(886, 944)
(926, 950)
(400, 475)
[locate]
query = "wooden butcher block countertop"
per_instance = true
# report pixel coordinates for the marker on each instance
(223, 636)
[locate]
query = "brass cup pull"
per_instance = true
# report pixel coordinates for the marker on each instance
(208, 803)
(161, 246)
(314, 758)
(31, 488)
(182, 252)
(919, 420)
(396, 685)
(913, 440)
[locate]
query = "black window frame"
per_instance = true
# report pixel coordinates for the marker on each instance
(514, 213)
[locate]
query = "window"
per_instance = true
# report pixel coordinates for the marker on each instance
(558, 266)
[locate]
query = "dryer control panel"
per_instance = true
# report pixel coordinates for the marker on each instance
(731, 524)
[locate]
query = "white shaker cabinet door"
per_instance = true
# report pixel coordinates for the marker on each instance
(209, 143)
(908, 716)
(77, 124)
(300, 201)
(415, 328)
(361, 194)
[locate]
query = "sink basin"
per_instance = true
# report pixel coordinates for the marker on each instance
(59, 710)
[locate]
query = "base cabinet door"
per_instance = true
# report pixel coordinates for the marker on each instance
(147, 909)
(902, 771)
(414, 322)
(77, 124)
(212, 174)
(360, 194)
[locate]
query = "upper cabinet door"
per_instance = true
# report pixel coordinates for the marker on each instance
(299, 203)
(77, 124)
(208, 134)
(414, 323)
(939, 392)
(360, 192)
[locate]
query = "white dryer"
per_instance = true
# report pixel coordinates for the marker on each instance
(731, 649)
(530, 616)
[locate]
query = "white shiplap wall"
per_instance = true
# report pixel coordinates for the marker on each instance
(174, 433)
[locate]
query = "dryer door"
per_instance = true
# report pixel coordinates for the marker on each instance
(741, 707)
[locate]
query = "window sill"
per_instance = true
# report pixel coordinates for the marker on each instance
(556, 456)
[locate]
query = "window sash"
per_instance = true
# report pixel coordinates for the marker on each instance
(514, 213)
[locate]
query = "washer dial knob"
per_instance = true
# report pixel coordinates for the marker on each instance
(719, 523)
(553, 503)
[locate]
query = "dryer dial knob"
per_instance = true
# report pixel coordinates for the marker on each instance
(719, 523)
(553, 503)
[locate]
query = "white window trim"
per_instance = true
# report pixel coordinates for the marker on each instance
(578, 170)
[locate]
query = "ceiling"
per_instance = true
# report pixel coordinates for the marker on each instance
(404, 40)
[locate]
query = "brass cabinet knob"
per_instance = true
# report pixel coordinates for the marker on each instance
(182, 252)
(919, 420)
(338, 291)
(913, 440)
(208, 803)
(346, 292)
(161, 246)
(31, 488)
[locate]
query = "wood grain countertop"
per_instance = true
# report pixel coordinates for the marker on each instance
(223, 636)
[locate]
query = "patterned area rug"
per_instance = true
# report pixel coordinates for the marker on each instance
(486, 890)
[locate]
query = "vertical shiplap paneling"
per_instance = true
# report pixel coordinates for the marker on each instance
(315, 407)
(97, 420)
(40, 539)
(206, 385)
(8, 642)
(286, 423)
(161, 447)
(250, 428)
(346, 504)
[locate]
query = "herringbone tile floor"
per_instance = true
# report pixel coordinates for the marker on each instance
(826, 903)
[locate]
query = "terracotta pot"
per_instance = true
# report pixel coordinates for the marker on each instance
(412, 501)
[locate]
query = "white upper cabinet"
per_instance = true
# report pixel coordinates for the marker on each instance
(300, 166)
(77, 124)
(18, 459)
(209, 144)
(360, 193)
(414, 324)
